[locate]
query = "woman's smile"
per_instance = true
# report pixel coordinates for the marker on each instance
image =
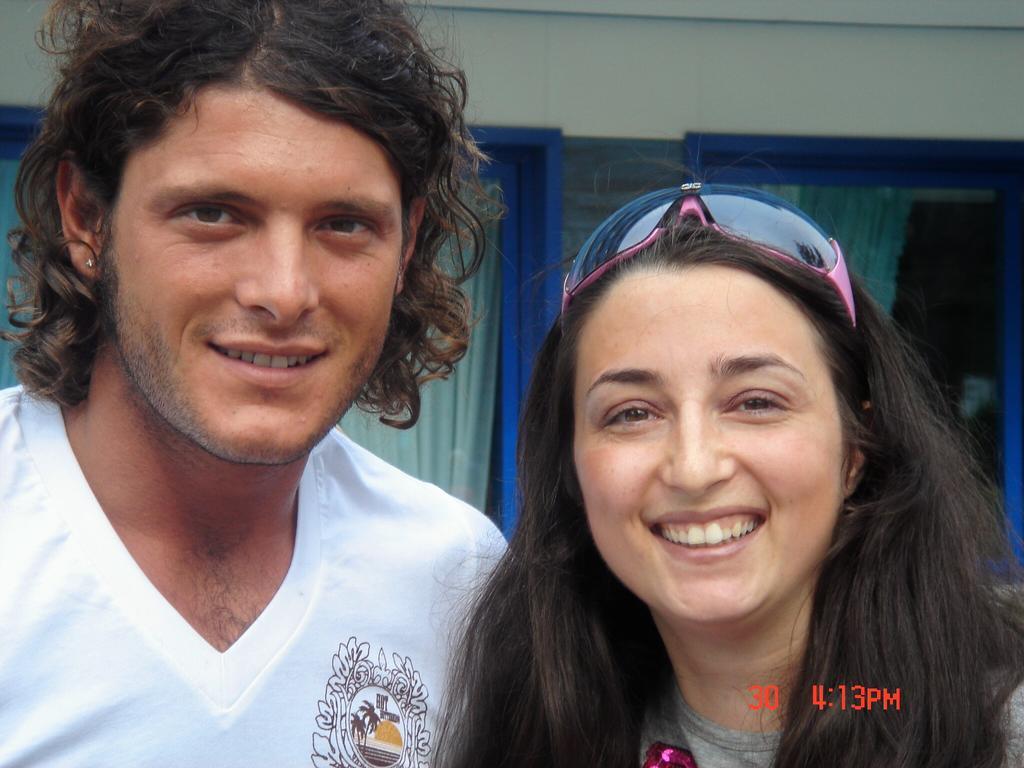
(707, 535)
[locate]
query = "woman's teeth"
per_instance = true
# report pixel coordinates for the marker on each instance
(267, 361)
(707, 535)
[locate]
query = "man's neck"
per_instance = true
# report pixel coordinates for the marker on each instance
(214, 537)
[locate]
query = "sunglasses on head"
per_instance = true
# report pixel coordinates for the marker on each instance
(767, 221)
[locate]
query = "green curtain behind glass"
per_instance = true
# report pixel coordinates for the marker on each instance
(450, 445)
(8, 220)
(870, 224)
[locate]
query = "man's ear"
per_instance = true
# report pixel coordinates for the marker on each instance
(81, 220)
(416, 209)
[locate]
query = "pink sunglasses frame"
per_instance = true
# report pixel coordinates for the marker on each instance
(693, 206)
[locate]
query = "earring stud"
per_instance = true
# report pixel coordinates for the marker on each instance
(90, 263)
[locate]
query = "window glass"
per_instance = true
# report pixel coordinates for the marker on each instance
(8, 220)
(928, 256)
(600, 175)
(451, 445)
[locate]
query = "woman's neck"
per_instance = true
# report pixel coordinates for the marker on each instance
(738, 678)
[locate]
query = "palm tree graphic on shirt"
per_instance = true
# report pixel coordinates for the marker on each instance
(358, 729)
(370, 718)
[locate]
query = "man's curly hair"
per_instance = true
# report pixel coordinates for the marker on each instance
(129, 66)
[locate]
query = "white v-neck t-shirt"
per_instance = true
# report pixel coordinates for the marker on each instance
(344, 667)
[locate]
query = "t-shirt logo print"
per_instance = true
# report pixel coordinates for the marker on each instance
(371, 715)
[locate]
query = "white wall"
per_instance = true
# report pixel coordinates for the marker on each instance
(902, 68)
(916, 13)
(657, 77)
(24, 71)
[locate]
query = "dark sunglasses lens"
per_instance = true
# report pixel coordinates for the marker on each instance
(769, 220)
(626, 228)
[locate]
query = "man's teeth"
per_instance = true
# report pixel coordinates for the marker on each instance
(268, 361)
(707, 535)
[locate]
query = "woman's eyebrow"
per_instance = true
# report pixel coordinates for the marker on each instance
(627, 376)
(725, 367)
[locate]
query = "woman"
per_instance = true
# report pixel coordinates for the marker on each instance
(749, 533)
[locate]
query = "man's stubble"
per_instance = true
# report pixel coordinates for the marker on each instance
(164, 405)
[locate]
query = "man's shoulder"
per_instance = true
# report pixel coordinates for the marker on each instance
(33, 468)
(15, 405)
(11, 440)
(15, 402)
(384, 491)
(1015, 729)
(10, 401)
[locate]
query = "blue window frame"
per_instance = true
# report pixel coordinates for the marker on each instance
(995, 166)
(527, 164)
(17, 124)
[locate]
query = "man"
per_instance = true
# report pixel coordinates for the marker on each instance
(232, 218)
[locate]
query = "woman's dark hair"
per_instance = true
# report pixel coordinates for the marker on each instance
(917, 592)
(128, 67)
